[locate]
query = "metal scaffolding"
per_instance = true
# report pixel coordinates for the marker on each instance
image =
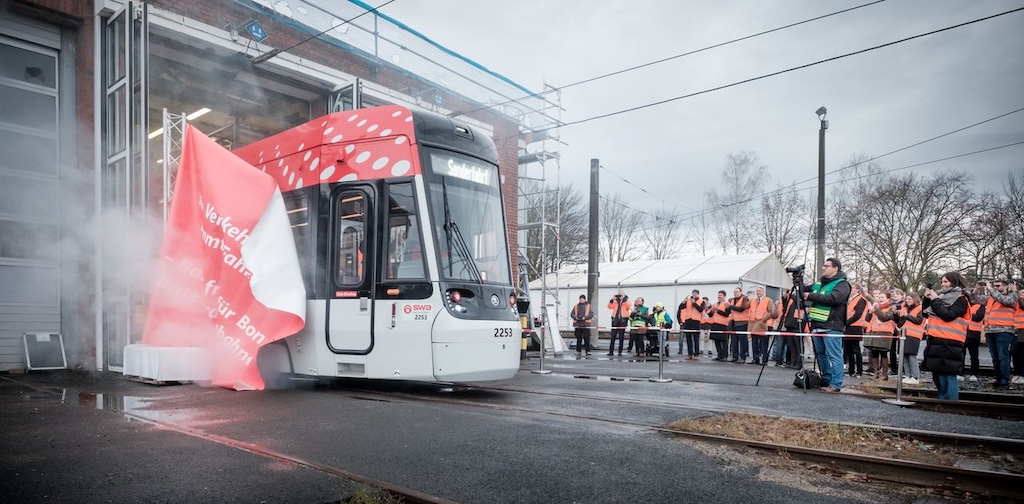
(539, 204)
(174, 137)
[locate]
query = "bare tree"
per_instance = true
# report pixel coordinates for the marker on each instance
(701, 230)
(982, 223)
(563, 218)
(742, 179)
(1012, 246)
(908, 224)
(663, 234)
(844, 220)
(620, 228)
(783, 218)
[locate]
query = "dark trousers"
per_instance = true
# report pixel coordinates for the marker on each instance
(851, 349)
(739, 345)
(854, 358)
(722, 348)
(792, 347)
(972, 344)
(692, 335)
(616, 333)
(894, 362)
(721, 344)
(636, 341)
(760, 348)
(583, 338)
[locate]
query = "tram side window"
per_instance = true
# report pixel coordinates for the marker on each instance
(405, 250)
(351, 239)
(298, 216)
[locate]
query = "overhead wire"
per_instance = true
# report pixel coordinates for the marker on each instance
(274, 52)
(708, 211)
(776, 73)
(663, 60)
(875, 158)
(793, 185)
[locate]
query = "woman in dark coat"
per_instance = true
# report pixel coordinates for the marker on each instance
(947, 331)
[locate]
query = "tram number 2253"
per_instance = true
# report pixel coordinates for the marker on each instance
(502, 332)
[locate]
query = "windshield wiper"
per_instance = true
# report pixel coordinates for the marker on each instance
(451, 229)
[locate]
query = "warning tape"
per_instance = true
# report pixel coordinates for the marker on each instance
(750, 333)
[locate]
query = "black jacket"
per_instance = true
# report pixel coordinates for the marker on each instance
(789, 321)
(945, 356)
(836, 300)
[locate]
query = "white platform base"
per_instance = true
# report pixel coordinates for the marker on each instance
(167, 364)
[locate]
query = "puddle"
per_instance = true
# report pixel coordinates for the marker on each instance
(135, 409)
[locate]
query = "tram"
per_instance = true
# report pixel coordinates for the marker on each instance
(399, 226)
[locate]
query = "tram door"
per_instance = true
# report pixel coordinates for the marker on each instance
(350, 301)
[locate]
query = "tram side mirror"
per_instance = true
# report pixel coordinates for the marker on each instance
(523, 305)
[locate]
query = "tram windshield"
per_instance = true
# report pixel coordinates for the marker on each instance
(469, 223)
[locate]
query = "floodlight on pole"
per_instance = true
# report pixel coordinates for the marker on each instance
(820, 245)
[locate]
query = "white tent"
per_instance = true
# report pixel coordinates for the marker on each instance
(666, 280)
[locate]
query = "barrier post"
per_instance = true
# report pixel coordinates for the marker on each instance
(543, 340)
(661, 359)
(899, 373)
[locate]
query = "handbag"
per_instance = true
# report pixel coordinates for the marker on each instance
(807, 379)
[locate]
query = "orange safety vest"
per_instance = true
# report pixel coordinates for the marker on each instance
(718, 318)
(624, 308)
(741, 316)
(690, 311)
(851, 307)
(915, 331)
(1018, 316)
(878, 327)
(758, 310)
(955, 330)
(999, 315)
(971, 324)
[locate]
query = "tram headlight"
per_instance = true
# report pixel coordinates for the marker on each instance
(455, 300)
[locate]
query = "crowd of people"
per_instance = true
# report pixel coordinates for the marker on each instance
(844, 323)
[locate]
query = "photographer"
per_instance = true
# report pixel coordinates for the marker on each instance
(826, 310)
(620, 307)
(639, 320)
(1000, 331)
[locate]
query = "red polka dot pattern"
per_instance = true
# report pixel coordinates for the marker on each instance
(362, 144)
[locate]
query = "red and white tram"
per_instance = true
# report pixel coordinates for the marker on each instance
(400, 229)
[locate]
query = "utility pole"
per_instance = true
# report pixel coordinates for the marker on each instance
(592, 272)
(820, 245)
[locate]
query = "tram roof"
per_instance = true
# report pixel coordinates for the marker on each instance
(337, 148)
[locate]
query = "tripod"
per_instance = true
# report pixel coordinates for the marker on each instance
(796, 294)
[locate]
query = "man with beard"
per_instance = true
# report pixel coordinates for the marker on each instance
(826, 310)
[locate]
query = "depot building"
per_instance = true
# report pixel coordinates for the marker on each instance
(93, 96)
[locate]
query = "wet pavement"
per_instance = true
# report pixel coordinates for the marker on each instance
(97, 437)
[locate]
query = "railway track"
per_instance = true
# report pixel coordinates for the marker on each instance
(965, 480)
(988, 397)
(986, 404)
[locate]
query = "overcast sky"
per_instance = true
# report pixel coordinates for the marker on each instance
(877, 102)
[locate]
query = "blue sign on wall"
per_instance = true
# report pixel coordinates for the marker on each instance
(256, 31)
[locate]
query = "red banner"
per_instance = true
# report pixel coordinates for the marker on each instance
(228, 278)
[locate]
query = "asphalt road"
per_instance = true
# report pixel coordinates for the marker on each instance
(81, 437)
